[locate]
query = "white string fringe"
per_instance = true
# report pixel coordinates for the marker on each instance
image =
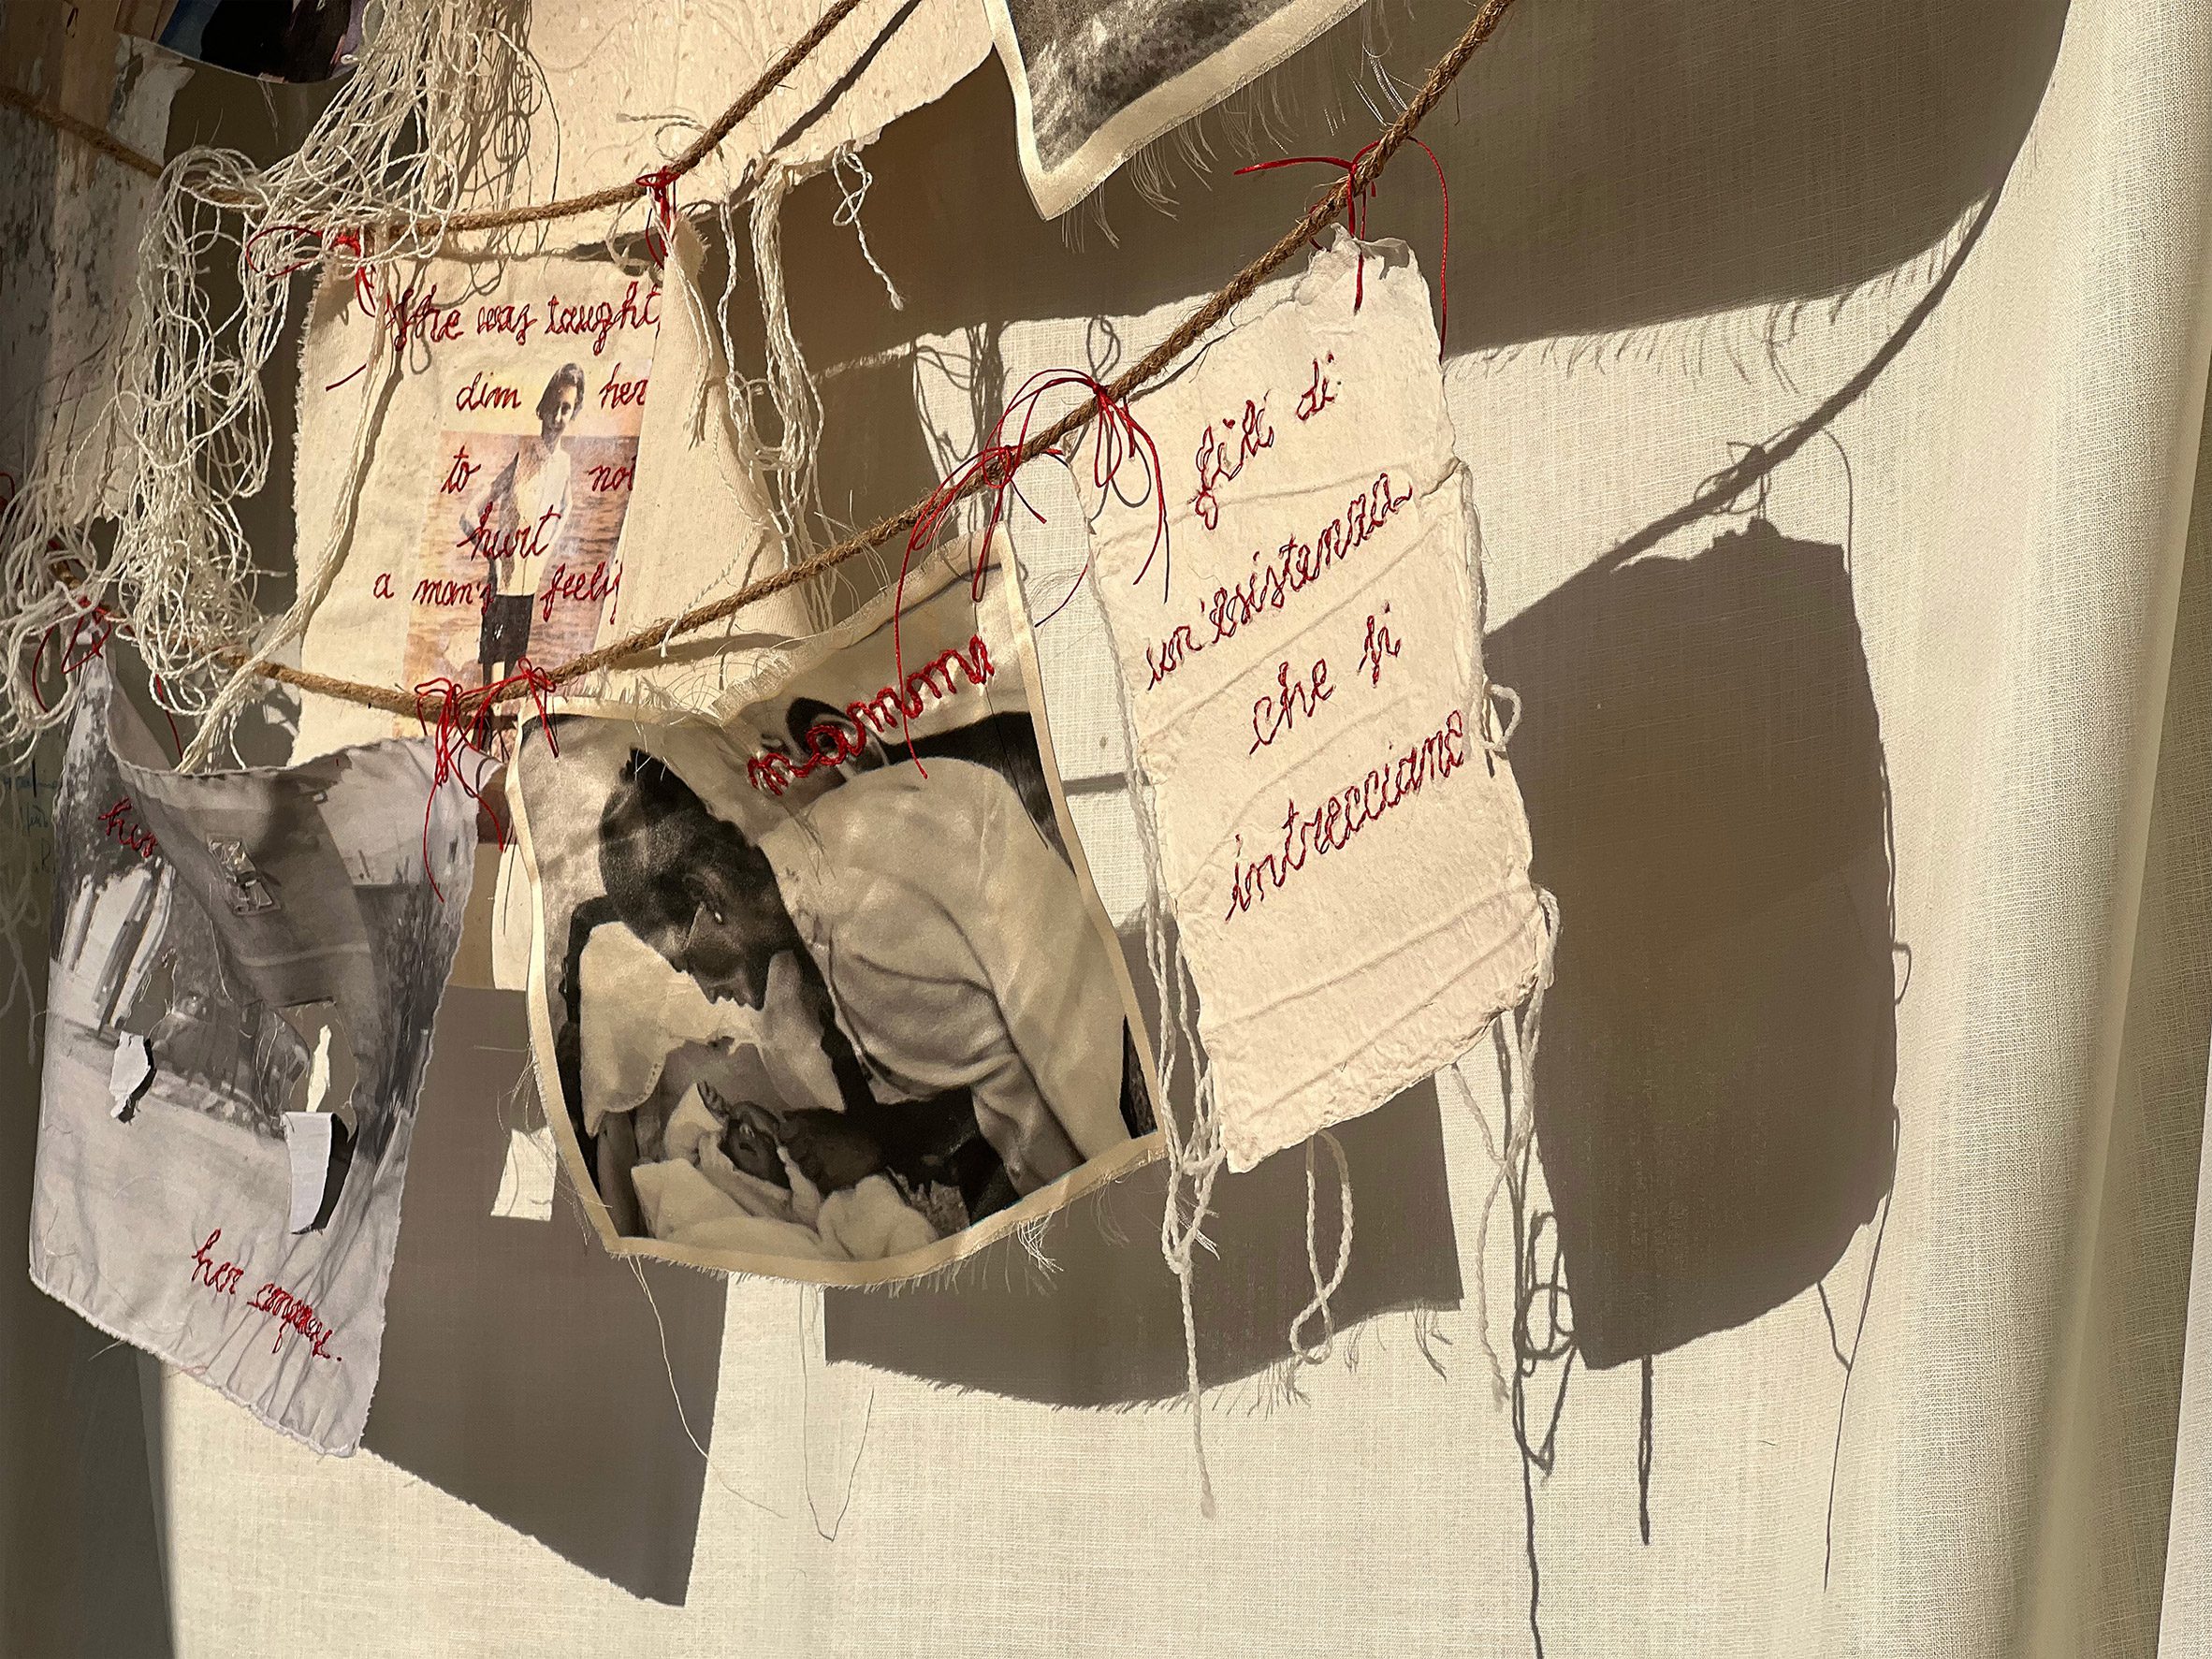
(1521, 1029)
(785, 466)
(1194, 1157)
(435, 118)
(1315, 1353)
(851, 200)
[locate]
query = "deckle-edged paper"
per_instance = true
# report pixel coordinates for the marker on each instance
(821, 981)
(496, 447)
(1340, 837)
(1095, 81)
(233, 953)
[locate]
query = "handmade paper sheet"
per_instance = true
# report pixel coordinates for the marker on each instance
(246, 966)
(499, 451)
(820, 985)
(1340, 836)
(1094, 80)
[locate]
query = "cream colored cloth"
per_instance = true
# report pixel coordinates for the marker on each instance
(687, 63)
(446, 515)
(1345, 858)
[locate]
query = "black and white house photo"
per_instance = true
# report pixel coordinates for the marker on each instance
(245, 969)
(824, 990)
(1094, 80)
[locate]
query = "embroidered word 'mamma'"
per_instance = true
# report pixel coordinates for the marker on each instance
(831, 743)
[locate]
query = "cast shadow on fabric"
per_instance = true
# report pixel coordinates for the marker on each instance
(1105, 1328)
(1729, 128)
(1702, 764)
(522, 1363)
(1630, 162)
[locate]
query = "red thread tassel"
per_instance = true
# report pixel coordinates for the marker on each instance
(660, 184)
(464, 722)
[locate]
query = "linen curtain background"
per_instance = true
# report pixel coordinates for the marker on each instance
(1949, 265)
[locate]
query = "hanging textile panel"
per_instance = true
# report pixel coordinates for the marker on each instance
(820, 985)
(245, 971)
(687, 64)
(1095, 81)
(699, 523)
(495, 435)
(1339, 835)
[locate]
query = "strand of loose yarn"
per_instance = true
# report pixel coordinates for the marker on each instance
(445, 225)
(436, 117)
(1314, 1353)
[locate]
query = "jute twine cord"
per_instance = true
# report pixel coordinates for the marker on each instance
(649, 639)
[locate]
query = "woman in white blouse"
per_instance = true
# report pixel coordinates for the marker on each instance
(521, 523)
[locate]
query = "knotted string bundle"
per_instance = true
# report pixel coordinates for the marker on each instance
(993, 470)
(460, 723)
(434, 118)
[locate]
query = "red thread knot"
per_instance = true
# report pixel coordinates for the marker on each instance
(659, 185)
(1355, 217)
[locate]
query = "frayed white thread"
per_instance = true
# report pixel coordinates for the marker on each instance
(433, 120)
(247, 683)
(1315, 1353)
(1031, 1234)
(850, 200)
(784, 468)
(1194, 1158)
(1523, 1030)
(682, 1415)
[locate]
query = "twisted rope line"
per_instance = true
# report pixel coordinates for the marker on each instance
(97, 137)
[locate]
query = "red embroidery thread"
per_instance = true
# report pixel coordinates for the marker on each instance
(136, 838)
(830, 744)
(1218, 463)
(1294, 566)
(292, 1313)
(457, 730)
(220, 1279)
(1355, 215)
(1120, 440)
(659, 188)
(1344, 813)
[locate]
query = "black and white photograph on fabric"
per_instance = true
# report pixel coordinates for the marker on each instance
(246, 967)
(823, 981)
(1097, 79)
